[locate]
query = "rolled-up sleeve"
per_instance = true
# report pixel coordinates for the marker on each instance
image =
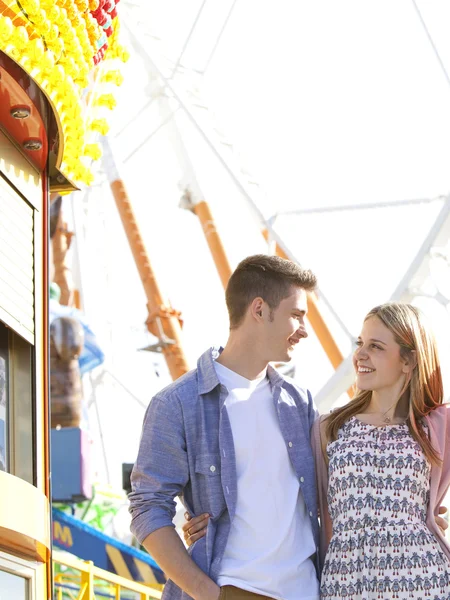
(161, 470)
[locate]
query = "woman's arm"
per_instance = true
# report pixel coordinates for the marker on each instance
(323, 439)
(441, 522)
(318, 445)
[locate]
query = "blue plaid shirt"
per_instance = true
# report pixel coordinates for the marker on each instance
(187, 450)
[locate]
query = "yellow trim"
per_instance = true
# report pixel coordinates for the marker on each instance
(90, 577)
(24, 519)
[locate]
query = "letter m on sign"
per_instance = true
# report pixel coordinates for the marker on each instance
(62, 534)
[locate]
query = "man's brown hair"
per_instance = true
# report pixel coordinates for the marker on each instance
(268, 277)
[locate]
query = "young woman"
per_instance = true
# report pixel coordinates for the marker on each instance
(383, 467)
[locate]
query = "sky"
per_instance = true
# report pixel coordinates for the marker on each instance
(329, 104)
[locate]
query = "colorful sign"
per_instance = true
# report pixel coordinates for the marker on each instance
(105, 552)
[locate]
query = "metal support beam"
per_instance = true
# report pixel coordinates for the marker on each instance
(439, 229)
(340, 382)
(244, 183)
(354, 207)
(163, 321)
(203, 212)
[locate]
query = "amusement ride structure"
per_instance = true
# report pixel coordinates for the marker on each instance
(56, 91)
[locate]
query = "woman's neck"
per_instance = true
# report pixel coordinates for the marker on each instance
(388, 404)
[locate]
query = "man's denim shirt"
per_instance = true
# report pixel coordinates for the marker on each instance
(187, 450)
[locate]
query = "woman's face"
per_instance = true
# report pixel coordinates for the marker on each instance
(377, 360)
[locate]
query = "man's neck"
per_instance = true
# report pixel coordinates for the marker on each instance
(240, 357)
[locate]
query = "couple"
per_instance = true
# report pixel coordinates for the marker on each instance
(242, 444)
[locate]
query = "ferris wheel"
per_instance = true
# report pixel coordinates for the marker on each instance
(176, 90)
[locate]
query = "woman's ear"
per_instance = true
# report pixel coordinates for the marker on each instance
(410, 362)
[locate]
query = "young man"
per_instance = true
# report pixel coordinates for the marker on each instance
(231, 438)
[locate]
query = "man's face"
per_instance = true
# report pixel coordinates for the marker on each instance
(285, 326)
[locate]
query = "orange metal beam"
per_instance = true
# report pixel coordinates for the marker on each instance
(61, 243)
(46, 363)
(163, 321)
(203, 212)
(318, 324)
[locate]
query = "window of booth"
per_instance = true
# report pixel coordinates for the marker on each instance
(21, 409)
(13, 587)
(16, 406)
(20, 579)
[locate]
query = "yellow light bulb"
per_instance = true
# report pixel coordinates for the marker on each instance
(31, 7)
(48, 60)
(113, 77)
(20, 37)
(58, 47)
(53, 13)
(6, 30)
(93, 151)
(36, 49)
(99, 125)
(52, 34)
(106, 100)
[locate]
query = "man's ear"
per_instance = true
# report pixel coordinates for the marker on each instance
(256, 308)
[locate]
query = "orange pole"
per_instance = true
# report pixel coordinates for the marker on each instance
(46, 365)
(77, 299)
(203, 212)
(160, 312)
(323, 333)
(318, 324)
(61, 243)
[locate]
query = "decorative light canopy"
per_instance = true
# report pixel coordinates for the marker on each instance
(66, 46)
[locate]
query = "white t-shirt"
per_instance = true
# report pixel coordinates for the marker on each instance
(271, 541)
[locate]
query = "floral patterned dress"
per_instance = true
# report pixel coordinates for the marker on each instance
(378, 495)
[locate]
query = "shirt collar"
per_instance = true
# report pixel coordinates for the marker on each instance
(275, 377)
(207, 376)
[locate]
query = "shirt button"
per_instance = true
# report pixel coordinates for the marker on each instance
(290, 444)
(212, 468)
(302, 479)
(310, 513)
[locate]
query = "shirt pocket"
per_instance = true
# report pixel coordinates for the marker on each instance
(209, 482)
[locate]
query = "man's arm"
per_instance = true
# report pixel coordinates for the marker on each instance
(160, 473)
(166, 547)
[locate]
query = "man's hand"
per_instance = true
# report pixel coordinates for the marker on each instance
(442, 523)
(195, 527)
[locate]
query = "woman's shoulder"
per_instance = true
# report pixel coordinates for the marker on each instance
(319, 435)
(441, 410)
(320, 424)
(438, 421)
(441, 414)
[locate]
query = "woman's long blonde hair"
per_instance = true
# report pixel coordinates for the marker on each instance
(424, 383)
